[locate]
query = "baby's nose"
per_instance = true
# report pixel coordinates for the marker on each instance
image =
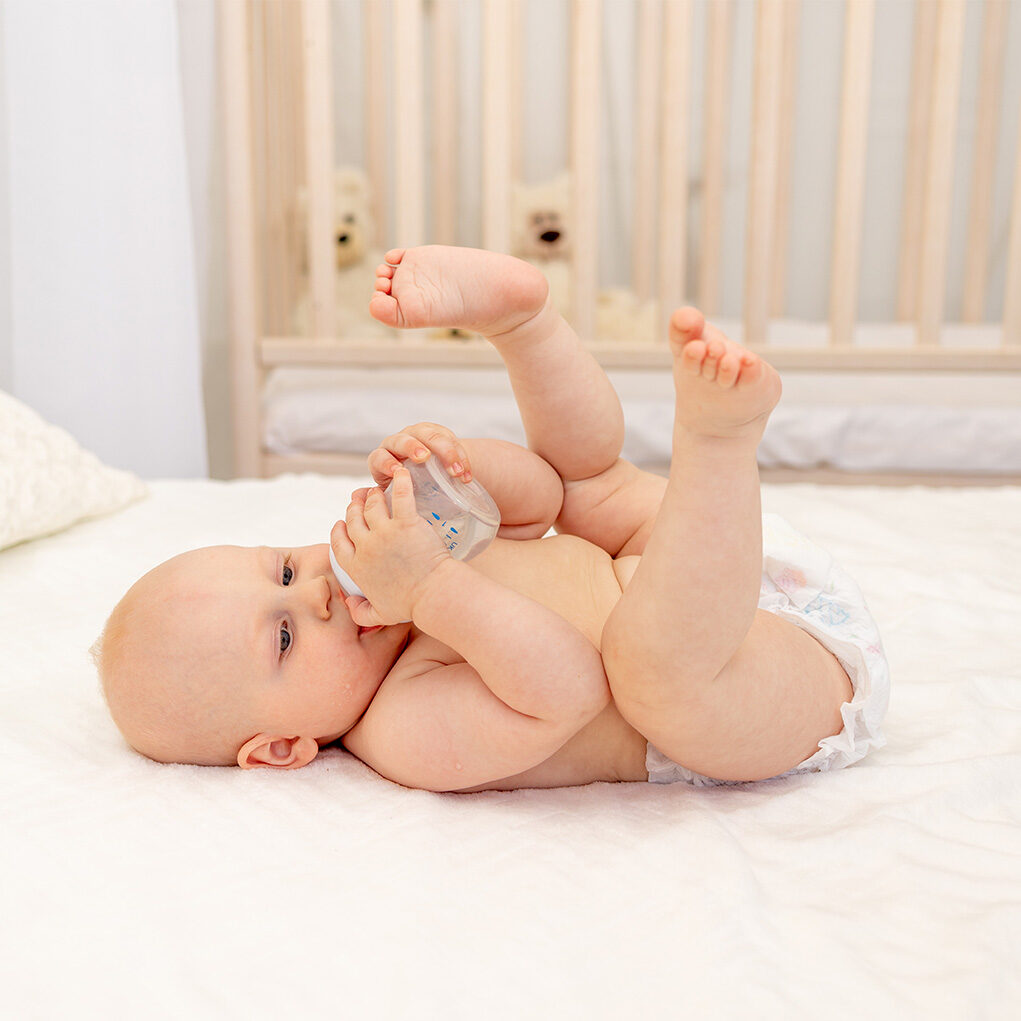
(316, 596)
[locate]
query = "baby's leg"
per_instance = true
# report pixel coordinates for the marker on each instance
(570, 411)
(715, 684)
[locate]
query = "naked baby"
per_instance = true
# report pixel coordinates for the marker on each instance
(667, 632)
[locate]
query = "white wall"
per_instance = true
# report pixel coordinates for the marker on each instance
(103, 336)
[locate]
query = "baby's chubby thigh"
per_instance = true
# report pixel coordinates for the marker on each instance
(615, 509)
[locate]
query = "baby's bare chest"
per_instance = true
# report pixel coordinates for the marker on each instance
(566, 574)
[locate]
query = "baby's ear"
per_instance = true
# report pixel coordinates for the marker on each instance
(277, 752)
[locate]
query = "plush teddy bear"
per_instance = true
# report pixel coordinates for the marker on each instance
(355, 257)
(541, 233)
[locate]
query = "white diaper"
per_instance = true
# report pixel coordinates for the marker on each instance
(802, 584)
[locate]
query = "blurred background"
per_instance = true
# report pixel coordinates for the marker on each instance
(113, 261)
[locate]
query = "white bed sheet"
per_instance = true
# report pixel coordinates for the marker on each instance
(888, 890)
(855, 422)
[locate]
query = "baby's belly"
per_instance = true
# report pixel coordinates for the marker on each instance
(582, 583)
(565, 573)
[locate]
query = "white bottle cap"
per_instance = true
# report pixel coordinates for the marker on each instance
(344, 578)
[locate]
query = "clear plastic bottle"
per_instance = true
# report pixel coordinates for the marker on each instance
(463, 514)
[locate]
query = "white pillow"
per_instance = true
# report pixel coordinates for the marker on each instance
(47, 481)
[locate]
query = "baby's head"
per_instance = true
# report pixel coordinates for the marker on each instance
(240, 655)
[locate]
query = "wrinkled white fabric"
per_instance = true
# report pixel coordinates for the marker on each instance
(802, 584)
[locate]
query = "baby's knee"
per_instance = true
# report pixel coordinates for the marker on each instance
(610, 508)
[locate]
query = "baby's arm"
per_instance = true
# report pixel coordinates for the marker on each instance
(530, 681)
(526, 488)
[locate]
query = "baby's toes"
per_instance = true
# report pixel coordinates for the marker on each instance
(728, 369)
(692, 356)
(752, 369)
(715, 350)
(384, 284)
(394, 256)
(383, 307)
(384, 269)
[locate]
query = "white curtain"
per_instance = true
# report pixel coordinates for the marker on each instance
(100, 332)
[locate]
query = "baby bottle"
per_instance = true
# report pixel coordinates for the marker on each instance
(463, 514)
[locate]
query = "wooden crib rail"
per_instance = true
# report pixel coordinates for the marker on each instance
(278, 85)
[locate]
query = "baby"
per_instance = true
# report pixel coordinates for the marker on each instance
(668, 632)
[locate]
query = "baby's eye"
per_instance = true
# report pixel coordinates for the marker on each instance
(287, 574)
(285, 638)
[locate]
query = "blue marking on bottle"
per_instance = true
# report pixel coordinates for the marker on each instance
(435, 515)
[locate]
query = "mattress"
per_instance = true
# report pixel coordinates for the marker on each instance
(855, 422)
(887, 890)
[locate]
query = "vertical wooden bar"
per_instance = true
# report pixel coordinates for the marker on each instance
(983, 167)
(850, 191)
(939, 171)
(673, 170)
(409, 126)
(319, 160)
(293, 155)
(274, 202)
(916, 158)
(245, 372)
(375, 21)
(444, 120)
(1012, 296)
(586, 110)
(643, 233)
(497, 119)
(788, 112)
(516, 42)
(714, 130)
(762, 180)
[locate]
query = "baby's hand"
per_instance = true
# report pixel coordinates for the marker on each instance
(389, 557)
(415, 443)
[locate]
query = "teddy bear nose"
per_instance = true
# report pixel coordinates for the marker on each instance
(549, 236)
(342, 239)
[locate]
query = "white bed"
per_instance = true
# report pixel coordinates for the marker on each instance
(888, 890)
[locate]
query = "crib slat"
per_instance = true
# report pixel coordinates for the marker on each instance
(762, 182)
(292, 156)
(939, 171)
(850, 191)
(922, 61)
(444, 147)
(275, 198)
(788, 107)
(673, 173)
(987, 108)
(497, 119)
(714, 130)
(1012, 297)
(409, 127)
(586, 107)
(647, 58)
(245, 374)
(374, 28)
(319, 161)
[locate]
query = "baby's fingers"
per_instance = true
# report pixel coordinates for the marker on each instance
(402, 496)
(446, 446)
(362, 612)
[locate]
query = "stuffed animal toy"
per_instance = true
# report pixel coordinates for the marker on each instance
(355, 256)
(541, 233)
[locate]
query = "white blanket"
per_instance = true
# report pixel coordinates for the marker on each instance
(888, 890)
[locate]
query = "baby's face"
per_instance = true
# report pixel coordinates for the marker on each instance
(274, 622)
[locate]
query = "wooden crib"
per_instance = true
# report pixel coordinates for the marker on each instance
(279, 92)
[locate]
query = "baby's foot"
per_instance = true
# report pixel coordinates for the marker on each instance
(466, 288)
(723, 390)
